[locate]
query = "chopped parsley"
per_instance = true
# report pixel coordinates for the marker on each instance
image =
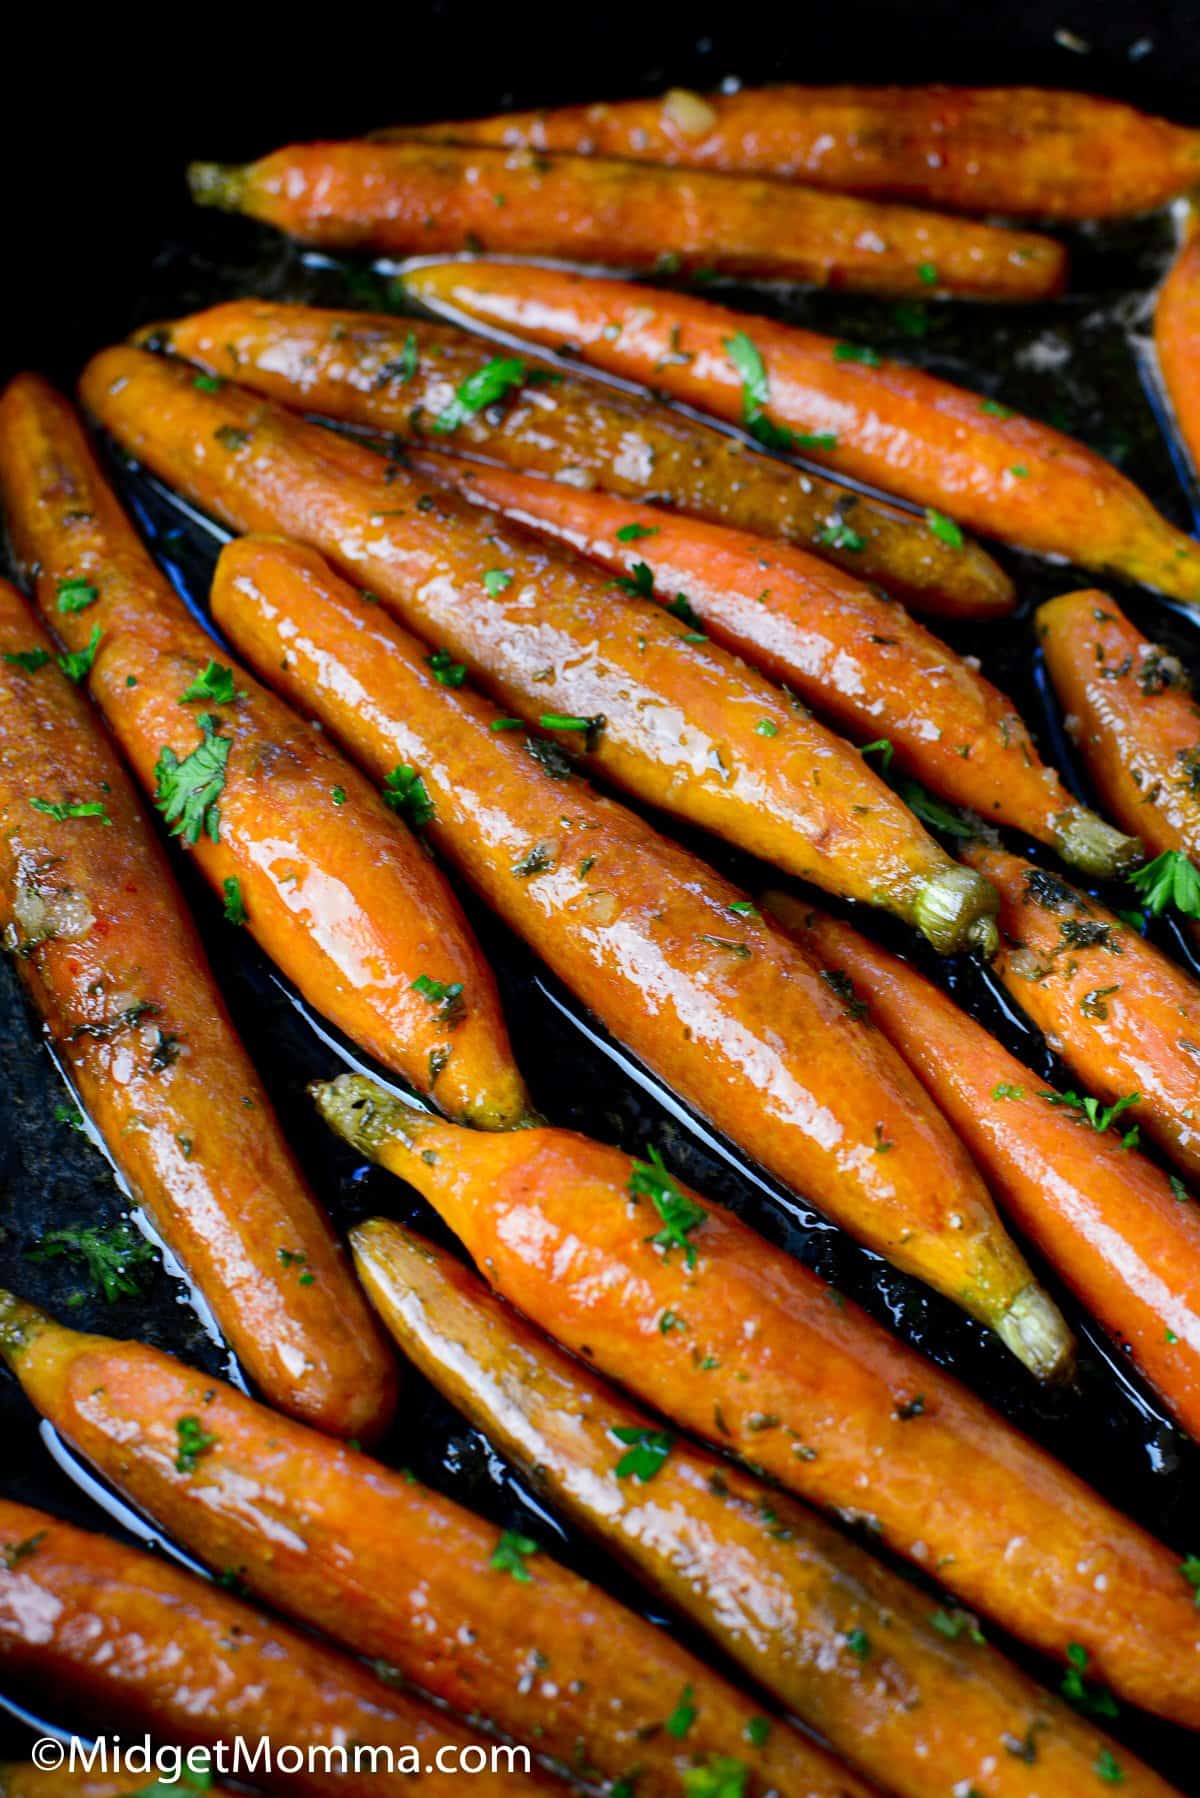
(758, 1732)
(446, 670)
(683, 1716)
(1006, 1090)
(1190, 1569)
(338, 795)
(639, 583)
(447, 996)
(1170, 879)
(953, 1624)
(511, 1553)
(115, 1257)
(629, 533)
(401, 368)
(837, 534)
(194, 1441)
(1100, 1117)
(590, 727)
(486, 387)
(28, 659)
(234, 906)
(719, 1777)
(680, 1214)
(931, 811)
(207, 383)
(495, 580)
(406, 793)
(944, 528)
(231, 437)
(766, 728)
(647, 1450)
(927, 273)
(839, 982)
(994, 409)
(1108, 1768)
(883, 748)
(187, 791)
(859, 1644)
(216, 683)
(13, 1553)
(1093, 1701)
(76, 664)
(61, 811)
(681, 607)
(857, 352)
(76, 595)
(746, 357)
(535, 861)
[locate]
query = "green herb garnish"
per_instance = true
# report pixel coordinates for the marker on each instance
(187, 791)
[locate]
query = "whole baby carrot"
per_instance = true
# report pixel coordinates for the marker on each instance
(675, 960)
(1124, 1018)
(1120, 1231)
(131, 1638)
(910, 433)
(414, 198)
(304, 853)
(1131, 713)
(873, 670)
(1018, 150)
(111, 960)
(643, 696)
(476, 1615)
(1177, 337)
(802, 1610)
(774, 1366)
(408, 377)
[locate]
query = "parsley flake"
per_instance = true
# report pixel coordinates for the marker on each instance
(648, 1449)
(194, 1441)
(187, 791)
(486, 387)
(511, 1553)
(679, 1213)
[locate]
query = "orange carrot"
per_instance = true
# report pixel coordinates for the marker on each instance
(131, 1638)
(1119, 1230)
(803, 1611)
(877, 420)
(1130, 710)
(113, 964)
(1124, 1018)
(343, 899)
(860, 659)
(1005, 149)
(22, 1779)
(402, 376)
(665, 714)
(1177, 337)
(406, 198)
(476, 1615)
(674, 960)
(774, 1366)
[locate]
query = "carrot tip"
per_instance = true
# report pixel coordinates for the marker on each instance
(955, 909)
(365, 1114)
(19, 1324)
(216, 184)
(1035, 1330)
(1085, 841)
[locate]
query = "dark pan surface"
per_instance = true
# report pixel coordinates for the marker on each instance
(140, 253)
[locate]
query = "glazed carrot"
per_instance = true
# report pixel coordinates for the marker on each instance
(896, 427)
(661, 711)
(862, 660)
(776, 1367)
(1177, 337)
(673, 959)
(476, 1615)
(401, 377)
(1005, 149)
(113, 965)
(1130, 710)
(1117, 1228)
(131, 1637)
(803, 1611)
(342, 898)
(413, 198)
(1124, 1018)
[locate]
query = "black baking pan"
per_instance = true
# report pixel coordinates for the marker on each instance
(101, 237)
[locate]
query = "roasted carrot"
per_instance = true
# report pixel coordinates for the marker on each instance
(1118, 1229)
(774, 1366)
(1122, 1015)
(1020, 150)
(414, 198)
(1177, 337)
(860, 659)
(476, 1615)
(336, 891)
(1130, 710)
(131, 1637)
(113, 964)
(881, 422)
(644, 697)
(403, 376)
(805, 1612)
(674, 959)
